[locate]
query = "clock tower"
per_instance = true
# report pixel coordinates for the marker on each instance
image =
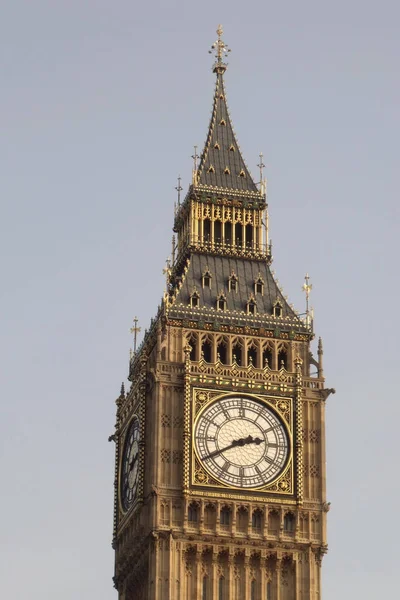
(220, 440)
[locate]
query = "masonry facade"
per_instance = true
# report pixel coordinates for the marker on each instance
(220, 480)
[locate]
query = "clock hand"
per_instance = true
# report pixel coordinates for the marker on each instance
(239, 442)
(132, 463)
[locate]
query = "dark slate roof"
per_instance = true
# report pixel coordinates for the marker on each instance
(228, 154)
(221, 268)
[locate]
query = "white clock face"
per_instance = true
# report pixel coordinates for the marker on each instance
(241, 442)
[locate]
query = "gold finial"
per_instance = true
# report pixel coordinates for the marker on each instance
(261, 166)
(179, 188)
(135, 330)
(307, 287)
(221, 50)
(167, 272)
(195, 157)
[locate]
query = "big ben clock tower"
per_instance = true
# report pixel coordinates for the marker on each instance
(220, 440)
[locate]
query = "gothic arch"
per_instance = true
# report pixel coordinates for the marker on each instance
(237, 351)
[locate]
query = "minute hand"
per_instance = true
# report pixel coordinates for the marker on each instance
(234, 444)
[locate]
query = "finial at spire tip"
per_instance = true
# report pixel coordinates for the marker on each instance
(221, 50)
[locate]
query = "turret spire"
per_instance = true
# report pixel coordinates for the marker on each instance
(221, 162)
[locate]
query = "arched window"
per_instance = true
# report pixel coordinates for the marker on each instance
(206, 279)
(289, 523)
(165, 513)
(268, 591)
(253, 590)
(207, 230)
(217, 231)
(194, 299)
(222, 353)
(206, 350)
(256, 521)
(259, 285)
(221, 588)
(238, 233)
(273, 522)
(228, 233)
(193, 344)
(242, 520)
(237, 354)
(282, 359)
(225, 517)
(193, 513)
(205, 586)
(221, 302)
(233, 283)
(252, 355)
(249, 235)
(267, 357)
(277, 309)
(209, 516)
(251, 307)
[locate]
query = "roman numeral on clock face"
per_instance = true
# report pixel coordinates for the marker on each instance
(241, 442)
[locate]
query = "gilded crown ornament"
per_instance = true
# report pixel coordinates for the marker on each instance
(220, 50)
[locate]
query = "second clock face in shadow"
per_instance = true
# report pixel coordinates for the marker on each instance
(130, 464)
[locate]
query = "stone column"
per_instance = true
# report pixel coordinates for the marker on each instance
(263, 577)
(230, 576)
(246, 575)
(185, 514)
(198, 574)
(201, 524)
(214, 568)
(278, 578)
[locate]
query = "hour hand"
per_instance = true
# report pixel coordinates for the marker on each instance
(240, 442)
(132, 463)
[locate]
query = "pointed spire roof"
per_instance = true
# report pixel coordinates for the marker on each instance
(221, 163)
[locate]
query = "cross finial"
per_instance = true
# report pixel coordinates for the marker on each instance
(179, 188)
(220, 49)
(195, 156)
(261, 166)
(307, 287)
(135, 330)
(167, 271)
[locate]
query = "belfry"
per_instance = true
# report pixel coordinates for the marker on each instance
(220, 481)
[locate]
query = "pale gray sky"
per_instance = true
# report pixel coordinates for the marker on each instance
(101, 104)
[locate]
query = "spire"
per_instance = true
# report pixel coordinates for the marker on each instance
(221, 164)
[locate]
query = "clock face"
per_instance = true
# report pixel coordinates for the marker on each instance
(130, 464)
(241, 442)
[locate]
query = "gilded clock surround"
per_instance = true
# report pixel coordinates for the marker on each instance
(283, 406)
(185, 535)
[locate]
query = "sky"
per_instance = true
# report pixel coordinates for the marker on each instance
(101, 104)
